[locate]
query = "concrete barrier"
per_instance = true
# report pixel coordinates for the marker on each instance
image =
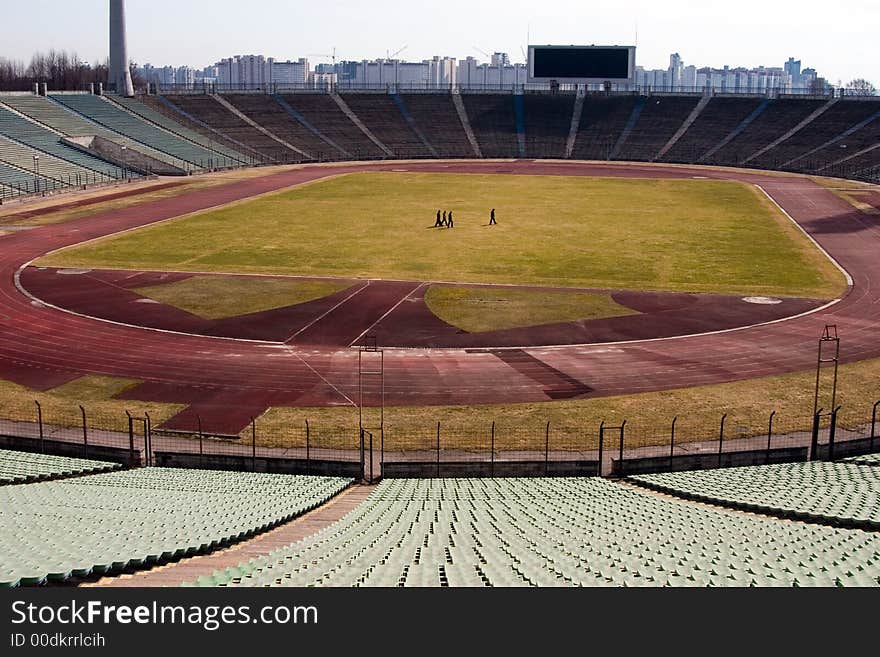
(75, 450)
(448, 469)
(242, 463)
(678, 463)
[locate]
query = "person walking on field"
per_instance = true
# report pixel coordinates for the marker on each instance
(443, 223)
(438, 223)
(492, 221)
(450, 223)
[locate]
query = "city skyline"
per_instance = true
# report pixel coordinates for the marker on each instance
(839, 43)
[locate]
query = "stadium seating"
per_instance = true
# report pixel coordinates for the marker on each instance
(224, 157)
(385, 120)
(602, 122)
(95, 524)
(24, 467)
(849, 144)
(718, 119)
(547, 123)
(557, 532)
(267, 112)
(867, 459)
(21, 156)
(793, 153)
(493, 121)
(661, 117)
(115, 118)
(436, 118)
(26, 132)
(207, 110)
(14, 182)
(325, 115)
(840, 493)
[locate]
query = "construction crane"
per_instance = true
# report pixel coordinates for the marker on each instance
(390, 55)
(331, 56)
(480, 50)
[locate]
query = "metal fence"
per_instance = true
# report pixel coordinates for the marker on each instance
(609, 449)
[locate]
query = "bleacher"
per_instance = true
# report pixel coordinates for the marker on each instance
(384, 119)
(436, 118)
(19, 129)
(841, 116)
(660, 119)
(224, 157)
(547, 123)
(111, 522)
(102, 111)
(15, 182)
(844, 494)
(721, 116)
(18, 155)
(69, 123)
(265, 111)
(602, 122)
(863, 167)
(557, 532)
(322, 112)
(25, 467)
(856, 141)
(493, 121)
(206, 109)
(167, 109)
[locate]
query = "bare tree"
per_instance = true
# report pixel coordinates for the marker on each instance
(860, 87)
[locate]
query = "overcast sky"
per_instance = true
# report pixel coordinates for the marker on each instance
(839, 39)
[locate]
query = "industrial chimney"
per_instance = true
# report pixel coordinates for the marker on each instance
(120, 75)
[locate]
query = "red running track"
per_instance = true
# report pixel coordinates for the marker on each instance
(228, 381)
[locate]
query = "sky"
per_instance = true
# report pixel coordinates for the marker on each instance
(839, 39)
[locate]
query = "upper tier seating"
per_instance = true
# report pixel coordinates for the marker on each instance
(660, 119)
(603, 119)
(384, 119)
(493, 120)
(24, 467)
(325, 115)
(719, 118)
(548, 124)
(436, 118)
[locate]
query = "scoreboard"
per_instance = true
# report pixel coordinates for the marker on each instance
(582, 64)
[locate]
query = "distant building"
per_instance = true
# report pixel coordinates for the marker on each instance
(473, 74)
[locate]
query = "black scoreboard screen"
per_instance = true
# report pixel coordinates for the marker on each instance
(581, 63)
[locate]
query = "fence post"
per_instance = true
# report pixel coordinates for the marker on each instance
(148, 437)
(308, 448)
(382, 450)
(874, 424)
(770, 435)
(438, 450)
(130, 438)
(831, 433)
(622, 436)
(601, 442)
(371, 458)
(85, 434)
(547, 450)
(253, 445)
(40, 424)
(492, 449)
(672, 441)
(814, 443)
(361, 449)
(201, 442)
(721, 438)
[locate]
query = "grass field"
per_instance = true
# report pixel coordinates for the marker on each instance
(480, 309)
(679, 235)
(218, 297)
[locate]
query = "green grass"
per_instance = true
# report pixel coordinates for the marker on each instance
(218, 297)
(480, 309)
(681, 235)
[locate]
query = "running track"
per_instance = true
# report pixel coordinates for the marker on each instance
(228, 381)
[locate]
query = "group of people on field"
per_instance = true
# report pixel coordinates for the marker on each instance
(445, 220)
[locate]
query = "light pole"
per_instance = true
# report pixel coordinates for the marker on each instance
(36, 173)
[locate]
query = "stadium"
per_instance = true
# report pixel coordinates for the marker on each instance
(244, 343)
